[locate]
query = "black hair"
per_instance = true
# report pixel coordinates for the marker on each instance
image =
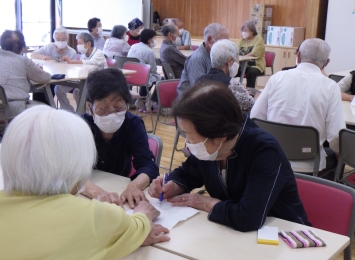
(13, 41)
(146, 35)
(92, 23)
(118, 31)
(102, 83)
(212, 109)
(168, 28)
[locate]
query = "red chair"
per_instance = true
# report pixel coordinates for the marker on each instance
(167, 94)
(156, 146)
(111, 63)
(329, 206)
(139, 79)
(269, 60)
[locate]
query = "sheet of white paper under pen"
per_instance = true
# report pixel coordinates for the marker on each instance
(170, 215)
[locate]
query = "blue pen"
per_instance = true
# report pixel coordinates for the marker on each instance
(165, 180)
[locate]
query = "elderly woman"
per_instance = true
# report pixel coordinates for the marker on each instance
(16, 71)
(46, 157)
(89, 55)
(135, 27)
(117, 44)
(120, 137)
(144, 53)
(242, 167)
(252, 45)
(224, 60)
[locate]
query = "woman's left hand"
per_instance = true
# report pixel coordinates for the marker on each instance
(194, 200)
(132, 195)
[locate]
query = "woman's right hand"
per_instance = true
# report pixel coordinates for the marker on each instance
(170, 189)
(146, 208)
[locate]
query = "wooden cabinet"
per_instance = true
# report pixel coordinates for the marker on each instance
(284, 56)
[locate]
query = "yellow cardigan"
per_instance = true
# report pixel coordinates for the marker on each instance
(67, 227)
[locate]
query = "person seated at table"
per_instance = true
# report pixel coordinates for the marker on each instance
(252, 45)
(199, 63)
(117, 44)
(144, 53)
(95, 28)
(242, 167)
(168, 51)
(224, 60)
(347, 87)
(183, 42)
(54, 51)
(46, 158)
(90, 55)
(120, 137)
(16, 71)
(135, 27)
(304, 96)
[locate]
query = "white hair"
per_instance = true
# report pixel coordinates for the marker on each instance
(315, 51)
(221, 51)
(61, 30)
(47, 152)
(213, 30)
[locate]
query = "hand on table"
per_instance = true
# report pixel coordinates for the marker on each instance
(67, 59)
(146, 208)
(194, 200)
(95, 192)
(170, 189)
(132, 195)
(157, 235)
(46, 58)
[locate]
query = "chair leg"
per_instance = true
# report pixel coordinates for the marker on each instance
(176, 138)
(156, 122)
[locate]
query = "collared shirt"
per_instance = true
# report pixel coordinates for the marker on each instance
(114, 46)
(303, 96)
(145, 55)
(259, 182)
(198, 64)
(184, 39)
(99, 42)
(50, 50)
(345, 84)
(171, 55)
(96, 58)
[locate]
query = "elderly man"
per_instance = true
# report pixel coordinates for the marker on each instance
(304, 96)
(183, 42)
(89, 55)
(168, 51)
(54, 51)
(199, 63)
(224, 60)
(95, 28)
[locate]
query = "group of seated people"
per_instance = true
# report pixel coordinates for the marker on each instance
(47, 155)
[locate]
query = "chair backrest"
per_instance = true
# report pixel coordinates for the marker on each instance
(336, 78)
(194, 47)
(111, 63)
(346, 150)
(269, 59)
(156, 146)
(298, 142)
(329, 205)
(120, 60)
(140, 78)
(168, 71)
(3, 99)
(166, 90)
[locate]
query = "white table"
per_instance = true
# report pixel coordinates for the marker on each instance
(198, 238)
(75, 77)
(151, 253)
(349, 113)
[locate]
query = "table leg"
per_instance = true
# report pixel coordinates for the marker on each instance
(243, 67)
(82, 99)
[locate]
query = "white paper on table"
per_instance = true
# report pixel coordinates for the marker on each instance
(353, 102)
(170, 215)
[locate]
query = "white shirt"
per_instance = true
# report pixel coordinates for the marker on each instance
(50, 50)
(114, 46)
(303, 96)
(96, 58)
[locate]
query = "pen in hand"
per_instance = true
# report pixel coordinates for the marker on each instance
(165, 180)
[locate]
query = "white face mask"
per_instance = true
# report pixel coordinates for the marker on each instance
(61, 44)
(99, 30)
(180, 31)
(140, 31)
(199, 150)
(233, 70)
(110, 123)
(245, 35)
(126, 37)
(81, 48)
(153, 44)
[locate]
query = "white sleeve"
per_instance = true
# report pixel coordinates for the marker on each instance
(97, 59)
(345, 84)
(260, 107)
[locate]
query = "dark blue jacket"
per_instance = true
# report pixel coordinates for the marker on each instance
(129, 141)
(260, 182)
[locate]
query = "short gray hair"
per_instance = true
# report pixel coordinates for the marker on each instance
(47, 152)
(315, 51)
(250, 25)
(61, 30)
(221, 51)
(118, 31)
(86, 37)
(213, 30)
(170, 27)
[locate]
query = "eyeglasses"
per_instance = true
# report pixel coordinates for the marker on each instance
(106, 110)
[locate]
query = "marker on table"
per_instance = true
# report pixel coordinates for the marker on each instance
(165, 180)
